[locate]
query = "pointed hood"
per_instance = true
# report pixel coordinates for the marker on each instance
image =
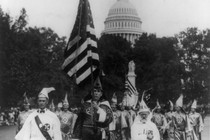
(142, 105)
(171, 104)
(179, 102)
(114, 100)
(25, 100)
(158, 104)
(52, 105)
(182, 84)
(65, 101)
(97, 84)
(60, 105)
(194, 104)
(45, 92)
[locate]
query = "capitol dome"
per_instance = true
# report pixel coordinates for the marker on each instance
(123, 20)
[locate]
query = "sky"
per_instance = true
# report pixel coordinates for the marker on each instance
(162, 17)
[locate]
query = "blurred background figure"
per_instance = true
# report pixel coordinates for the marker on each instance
(52, 106)
(196, 120)
(23, 114)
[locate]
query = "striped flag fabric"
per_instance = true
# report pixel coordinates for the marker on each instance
(81, 54)
(131, 88)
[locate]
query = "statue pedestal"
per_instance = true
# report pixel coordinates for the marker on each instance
(131, 99)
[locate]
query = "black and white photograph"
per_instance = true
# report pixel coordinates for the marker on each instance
(104, 69)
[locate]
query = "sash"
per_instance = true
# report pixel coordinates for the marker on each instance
(42, 128)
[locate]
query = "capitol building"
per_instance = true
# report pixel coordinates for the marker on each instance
(123, 20)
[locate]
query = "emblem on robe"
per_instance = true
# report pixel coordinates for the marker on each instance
(46, 127)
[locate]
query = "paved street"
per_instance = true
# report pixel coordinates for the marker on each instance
(206, 132)
(8, 132)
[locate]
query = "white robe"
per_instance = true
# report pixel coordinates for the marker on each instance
(30, 130)
(139, 130)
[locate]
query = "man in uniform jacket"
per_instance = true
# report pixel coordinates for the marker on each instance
(95, 116)
(41, 124)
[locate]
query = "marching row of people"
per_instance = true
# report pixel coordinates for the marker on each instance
(101, 120)
(143, 123)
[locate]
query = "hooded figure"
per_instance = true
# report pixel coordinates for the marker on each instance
(115, 125)
(160, 120)
(179, 119)
(158, 105)
(196, 121)
(169, 127)
(25, 100)
(45, 91)
(58, 109)
(41, 124)
(65, 102)
(96, 114)
(52, 106)
(179, 102)
(194, 104)
(143, 128)
(67, 120)
(171, 105)
(114, 100)
(23, 114)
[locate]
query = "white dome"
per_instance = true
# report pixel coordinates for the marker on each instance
(123, 20)
(123, 7)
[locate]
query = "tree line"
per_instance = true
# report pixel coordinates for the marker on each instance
(31, 57)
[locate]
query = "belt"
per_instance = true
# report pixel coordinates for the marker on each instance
(97, 128)
(89, 126)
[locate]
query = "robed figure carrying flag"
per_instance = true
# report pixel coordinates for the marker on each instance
(82, 64)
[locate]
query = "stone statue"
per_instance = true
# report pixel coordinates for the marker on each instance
(131, 66)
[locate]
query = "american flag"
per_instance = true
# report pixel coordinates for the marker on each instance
(81, 55)
(130, 87)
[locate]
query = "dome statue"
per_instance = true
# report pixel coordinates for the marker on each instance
(131, 67)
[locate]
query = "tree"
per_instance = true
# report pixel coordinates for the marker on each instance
(31, 58)
(115, 53)
(157, 67)
(193, 50)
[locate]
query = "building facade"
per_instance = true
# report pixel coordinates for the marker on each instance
(123, 20)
